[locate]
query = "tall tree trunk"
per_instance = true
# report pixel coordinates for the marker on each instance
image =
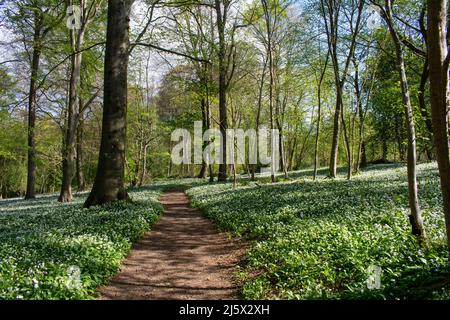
(31, 166)
(169, 167)
(69, 147)
(319, 115)
(81, 181)
(271, 78)
(143, 175)
(283, 162)
(335, 139)
(137, 166)
(305, 142)
(416, 215)
(316, 143)
(223, 122)
(208, 119)
(258, 113)
(332, 26)
(361, 158)
(202, 173)
(293, 148)
(332, 32)
(438, 59)
(347, 145)
(424, 110)
(384, 148)
(109, 184)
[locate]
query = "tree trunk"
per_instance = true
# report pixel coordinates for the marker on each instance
(335, 139)
(137, 165)
(69, 147)
(316, 143)
(347, 145)
(416, 216)
(304, 145)
(438, 59)
(271, 78)
(169, 168)
(332, 26)
(361, 158)
(384, 149)
(424, 110)
(223, 122)
(31, 166)
(258, 113)
(109, 184)
(319, 115)
(363, 162)
(81, 181)
(332, 46)
(208, 121)
(293, 148)
(282, 153)
(202, 173)
(143, 175)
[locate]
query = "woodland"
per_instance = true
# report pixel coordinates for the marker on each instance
(357, 91)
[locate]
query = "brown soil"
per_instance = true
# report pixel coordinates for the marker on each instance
(184, 256)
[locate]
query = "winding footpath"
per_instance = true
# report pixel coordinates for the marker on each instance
(184, 256)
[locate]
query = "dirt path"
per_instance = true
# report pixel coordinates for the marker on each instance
(184, 256)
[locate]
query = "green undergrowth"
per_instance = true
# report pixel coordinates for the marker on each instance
(50, 250)
(321, 239)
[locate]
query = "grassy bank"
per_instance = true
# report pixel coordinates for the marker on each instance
(43, 243)
(319, 239)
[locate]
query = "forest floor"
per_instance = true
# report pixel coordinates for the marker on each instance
(302, 239)
(184, 256)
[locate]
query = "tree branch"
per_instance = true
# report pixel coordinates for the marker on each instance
(149, 45)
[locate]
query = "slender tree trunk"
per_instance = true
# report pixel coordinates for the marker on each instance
(271, 77)
(137, 166)
(335, 139)
(282, 152)
(208, 122)
(233, 166)
(81, 182)
(304, 147)
(31, 166)
(143, 175)
(202, 173)
(272, 165)
(258, 113)
(109, 184)
(69, 147)
(332, 32)
(332, 26)
(424, 110)
(223, 122)
(169, 167)
(416, 215)
(4, 192)
(361, 158)
(438, 59)
(293, 148)
(384, 148)
(319, 115)
(347, 146)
